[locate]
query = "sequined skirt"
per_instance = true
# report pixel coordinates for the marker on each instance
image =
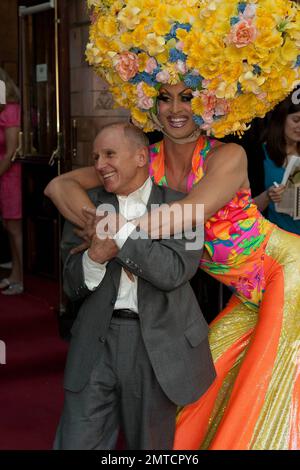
(254, 402)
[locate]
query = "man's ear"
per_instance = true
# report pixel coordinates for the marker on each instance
(142, 156)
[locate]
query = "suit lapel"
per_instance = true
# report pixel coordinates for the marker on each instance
(103, 197)
(155, 196)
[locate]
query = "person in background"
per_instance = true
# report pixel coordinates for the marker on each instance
(10, 183)
(281, 141)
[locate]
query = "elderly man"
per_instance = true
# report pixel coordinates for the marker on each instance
(139, 346)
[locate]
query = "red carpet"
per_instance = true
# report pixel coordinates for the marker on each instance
(31, 392)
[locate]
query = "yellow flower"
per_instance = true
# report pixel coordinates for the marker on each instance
(129, 17)
(251, 82)
(143, 59)
(154, 44)
(137, 36)
(197, 106)
(161, 26)
(93, 54)
(149, 90)
(139, 116)
(110, 27)
(174, 77)
(289, 51)
(226, 90)
(102, 44)
(116, 7)
(163, 57)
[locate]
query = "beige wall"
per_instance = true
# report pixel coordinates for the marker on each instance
(9, 37)
(91, 104)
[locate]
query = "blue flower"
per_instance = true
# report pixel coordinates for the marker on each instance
(175, 26)
(257, 69)
(136, 50)
(242, 7)
(192, 81)
(198, 120)
(175, 55)
(234, 20)
(144, 77)
(239, 89)
(156, 70)
(298, 61)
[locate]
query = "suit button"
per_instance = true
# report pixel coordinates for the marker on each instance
(101, 339)
(113, 301)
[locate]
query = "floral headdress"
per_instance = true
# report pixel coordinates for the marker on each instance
(240, 58)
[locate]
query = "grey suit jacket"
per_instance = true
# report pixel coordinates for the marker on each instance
(172, 325)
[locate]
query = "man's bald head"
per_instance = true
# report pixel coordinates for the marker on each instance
(133, 134)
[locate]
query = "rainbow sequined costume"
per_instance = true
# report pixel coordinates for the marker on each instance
(255, 401)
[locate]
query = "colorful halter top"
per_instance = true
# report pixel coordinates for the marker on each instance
(235, 237)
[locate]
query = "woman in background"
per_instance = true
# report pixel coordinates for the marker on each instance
(10, 184)
(282, 140)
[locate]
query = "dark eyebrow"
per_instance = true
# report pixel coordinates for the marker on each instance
(163, 90)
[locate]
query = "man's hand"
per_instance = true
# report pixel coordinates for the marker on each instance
(102, 250)
(97, 221)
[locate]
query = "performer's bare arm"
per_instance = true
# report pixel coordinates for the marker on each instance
(68, 193)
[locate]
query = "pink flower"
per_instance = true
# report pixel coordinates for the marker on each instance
(181, 66)
(144, 102)
(209, 101)
(242, 33)
(179, 45)
(249, 11)
(205, 83)
(93, 17)
(163, 76)
(205, 127)
(262, 96)
(140, 91)
(127, 65)
(222, 108)
(208, 117)
(150, 65)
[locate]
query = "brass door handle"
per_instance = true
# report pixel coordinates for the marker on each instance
(19, 150)
(57, 153)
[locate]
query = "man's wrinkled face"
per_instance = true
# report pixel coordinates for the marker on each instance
(116, 161)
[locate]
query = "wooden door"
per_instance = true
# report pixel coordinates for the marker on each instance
(45, 132)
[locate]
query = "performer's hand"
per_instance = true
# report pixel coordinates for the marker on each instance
(88, 231)
(276, 193)
(102, 250)
(108, 223)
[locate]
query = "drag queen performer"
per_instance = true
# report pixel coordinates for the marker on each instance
(194, 69)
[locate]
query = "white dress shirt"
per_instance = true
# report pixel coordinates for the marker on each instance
(131, 207)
